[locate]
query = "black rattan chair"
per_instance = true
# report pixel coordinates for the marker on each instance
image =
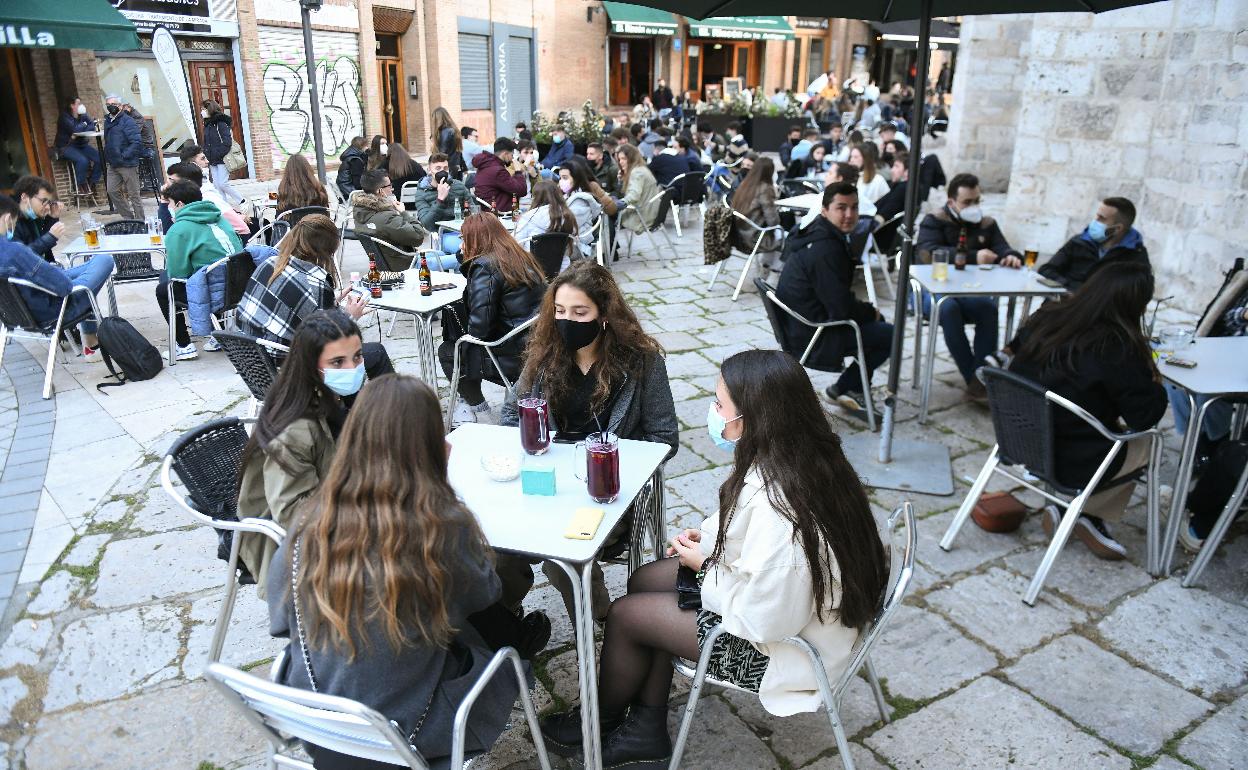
(775, 308)
(208, 460)
(292, 216)
(255, 360)
(689, 190)
(1023, 421)
(17, 318)
(549, 249)
(132, 266)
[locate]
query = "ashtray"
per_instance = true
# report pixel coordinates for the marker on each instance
(501, 467)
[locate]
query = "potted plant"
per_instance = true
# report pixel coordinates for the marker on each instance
(717, 114)
(585, 127)
(771, 122)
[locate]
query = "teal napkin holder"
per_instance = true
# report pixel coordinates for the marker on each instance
(537, 480)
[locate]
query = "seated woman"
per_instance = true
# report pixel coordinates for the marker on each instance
(377, 578)
(378, 151)
(793, 551)
(1089, 348)
(587, 199)
(548, 213)
(402, 168)
(756, 200)
(598, 370)
(504, 290)
(639, 188)
(292, 444)
(816, 164)
(301, 279)
(871, 184)
(299, 187)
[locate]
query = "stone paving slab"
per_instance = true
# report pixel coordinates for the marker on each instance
(1147, 709)
(1221, 743)
(921, 655)
(157, 567)
(988, 724)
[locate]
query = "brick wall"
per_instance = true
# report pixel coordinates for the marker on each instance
(251, 80)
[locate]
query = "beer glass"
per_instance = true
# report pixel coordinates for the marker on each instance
(534, 425)
(154, 230)
(940, 265)
(90, 231)
(602, 466)
(1029, 259)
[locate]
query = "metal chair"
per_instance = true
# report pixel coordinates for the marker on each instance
(208, 460)
(407, 194)
(760, 232)
(16, 319)
(549, 249)
(774, 307)
(901, 569)
(288, 715)
(389, 257)
(1023, 421)
(468, 339)
(689, 190)
(176, 306)
(664, 197)
(132, 266)
(292, 216)
(74, 187)
(255, 360)
(883, 246)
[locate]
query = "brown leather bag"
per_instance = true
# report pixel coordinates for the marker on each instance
(999, 512)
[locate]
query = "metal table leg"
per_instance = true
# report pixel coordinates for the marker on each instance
(1183, 480)
(582, 601)
(929, 364)
(916, 294)
(1009, 319)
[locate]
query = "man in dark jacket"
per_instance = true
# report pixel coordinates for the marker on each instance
(786, 149)
(379, 214)
(671, 162)
(961, 225)
(123, 146)
(816, 283)
(36, 226)
(662, 96)
(499, 182)
(439, 198)
(76, 149)
(605, 171)
(560, 148)
(351, 166)
(1110, 238)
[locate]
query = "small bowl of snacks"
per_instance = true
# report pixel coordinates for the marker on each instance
(501, 466)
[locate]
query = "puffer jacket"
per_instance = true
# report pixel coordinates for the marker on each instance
(123, 144)
(351, 165)
(218, 136)
(495, 185)
(586, 210)
(376, 216)
(489, 310)
(430, 210)
(205, 291)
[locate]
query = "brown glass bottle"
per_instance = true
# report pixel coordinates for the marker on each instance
(374, 279)
(426, 278)
(959, 259)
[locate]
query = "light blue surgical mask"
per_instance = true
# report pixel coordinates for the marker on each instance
(9, 234)
(557, 139)
(1096, 231)
(715, 425)
(30, 213)
(344, 382)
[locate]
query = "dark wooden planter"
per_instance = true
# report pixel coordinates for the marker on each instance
(767, 134)
(719, 124)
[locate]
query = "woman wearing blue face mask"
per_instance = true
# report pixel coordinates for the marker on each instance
(793, 550)
(293, 441)
(598, 370)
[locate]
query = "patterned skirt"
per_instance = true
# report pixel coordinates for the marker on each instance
(733, 659)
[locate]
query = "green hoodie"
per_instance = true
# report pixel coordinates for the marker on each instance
(199, 237)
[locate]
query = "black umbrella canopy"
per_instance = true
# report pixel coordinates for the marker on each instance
(881, 10)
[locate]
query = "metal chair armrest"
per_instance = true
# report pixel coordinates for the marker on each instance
(472, 340)
(771, 295)
(37, 287)
(1096, 424)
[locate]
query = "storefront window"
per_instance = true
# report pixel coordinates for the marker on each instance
(140, 82)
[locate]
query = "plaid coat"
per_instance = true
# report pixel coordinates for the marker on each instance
(273, 311)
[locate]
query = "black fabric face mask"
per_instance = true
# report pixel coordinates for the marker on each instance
(578, 334)
(113, 109)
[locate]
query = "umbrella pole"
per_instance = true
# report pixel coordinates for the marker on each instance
(918, 466)
(314, 101)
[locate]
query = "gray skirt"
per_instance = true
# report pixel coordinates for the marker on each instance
(733, 659)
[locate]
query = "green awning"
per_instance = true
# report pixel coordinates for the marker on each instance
(628, 19)
(88, 24)
(742, 28)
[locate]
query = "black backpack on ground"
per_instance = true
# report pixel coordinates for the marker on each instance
(137, 358)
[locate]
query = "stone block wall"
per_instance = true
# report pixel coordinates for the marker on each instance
(1150, 103)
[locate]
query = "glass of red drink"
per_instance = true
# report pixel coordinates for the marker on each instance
(602, 466)
(534, 425)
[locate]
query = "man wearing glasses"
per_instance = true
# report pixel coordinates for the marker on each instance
(379, 214)
(38, 226)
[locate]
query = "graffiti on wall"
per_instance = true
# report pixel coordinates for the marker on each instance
(290, 116)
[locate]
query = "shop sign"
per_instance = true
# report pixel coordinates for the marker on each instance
(22, 36)
(217, 18)
(640, 28)
(811, 22)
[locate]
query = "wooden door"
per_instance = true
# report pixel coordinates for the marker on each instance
(215, 80)
(693, 68)
(392, 117)
(620, 81)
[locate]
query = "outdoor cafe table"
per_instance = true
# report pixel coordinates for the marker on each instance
(1219, 373)
(803, 203)
(407, 299)
(113, 244)
(533, 525)
(974, 281)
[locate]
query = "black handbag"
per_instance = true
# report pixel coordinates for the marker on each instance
(688, 590)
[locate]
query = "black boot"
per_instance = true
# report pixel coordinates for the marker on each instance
(641, 742)
(563, 731)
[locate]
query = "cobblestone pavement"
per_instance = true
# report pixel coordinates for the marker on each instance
(1111, 668)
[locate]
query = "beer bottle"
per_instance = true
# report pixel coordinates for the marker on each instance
(959, 259)
(374, 279)
(426, 279)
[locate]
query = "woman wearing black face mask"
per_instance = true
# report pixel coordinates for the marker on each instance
(598, 370)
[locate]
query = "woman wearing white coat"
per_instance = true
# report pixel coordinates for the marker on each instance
(794, 550)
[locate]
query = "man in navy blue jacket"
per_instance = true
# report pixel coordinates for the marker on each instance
(123, 148)
(560, 149)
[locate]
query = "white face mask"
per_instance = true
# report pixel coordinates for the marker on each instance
(972, 215)
(82, 109)
(384, 149)
(203, 114)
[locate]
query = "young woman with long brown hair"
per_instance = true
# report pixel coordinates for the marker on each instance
(378, 151)
(299, 186)
(402, 168)
(866, 158)
(444, 136)
(639, 188)
(375, 582)
(793, 550)
(505, 286)
(218, 139)
(598, 370)
(548, 213)
(756, 200)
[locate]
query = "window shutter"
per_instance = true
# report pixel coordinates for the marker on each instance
(474, 72)
(520, 77)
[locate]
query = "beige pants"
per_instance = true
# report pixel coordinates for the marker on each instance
(1112, 503)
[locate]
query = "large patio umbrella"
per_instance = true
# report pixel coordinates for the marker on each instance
(90, 24)
(910, 465)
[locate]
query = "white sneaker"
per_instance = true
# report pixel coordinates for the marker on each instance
(211, 345)
(1187, 538)
(186, 352)
(463, 414)
(483, 411)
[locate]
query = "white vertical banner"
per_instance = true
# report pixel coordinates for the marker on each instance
(170, 60)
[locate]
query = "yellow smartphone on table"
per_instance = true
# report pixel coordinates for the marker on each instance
(584, 524)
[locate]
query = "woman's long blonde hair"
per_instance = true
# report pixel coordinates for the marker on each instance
(379, 541)
(635, 160)
(314, 238)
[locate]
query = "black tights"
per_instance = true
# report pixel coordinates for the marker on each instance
(644, 630)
